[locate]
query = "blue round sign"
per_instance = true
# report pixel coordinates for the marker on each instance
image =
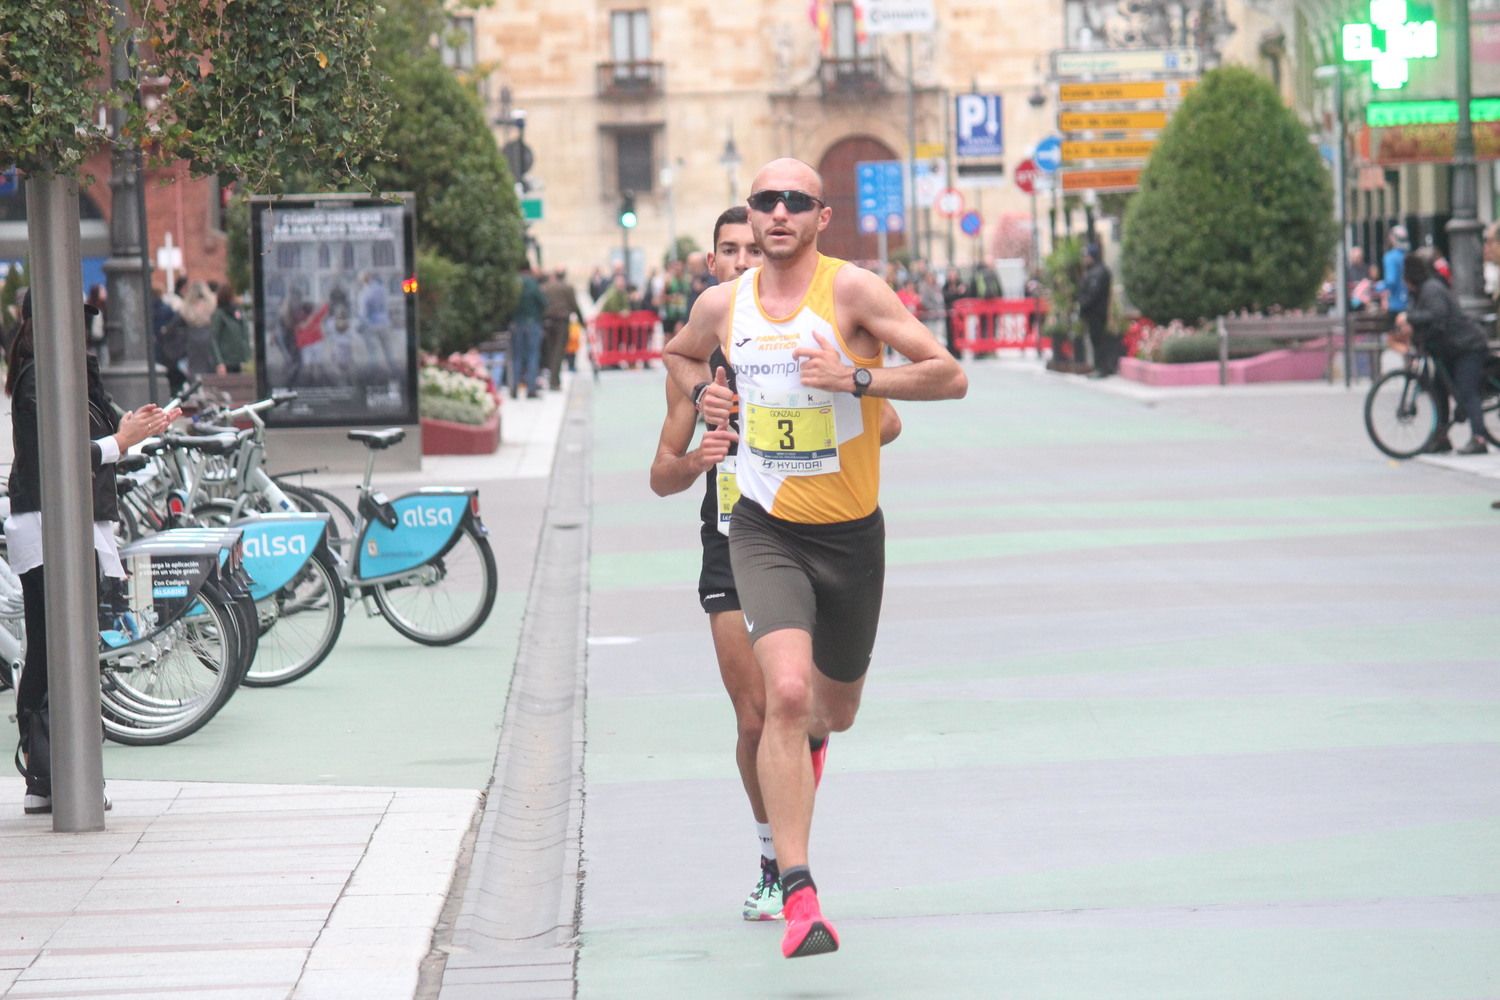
(971, 223)
(1048, 155)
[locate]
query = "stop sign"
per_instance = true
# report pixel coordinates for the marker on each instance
(1026, 177)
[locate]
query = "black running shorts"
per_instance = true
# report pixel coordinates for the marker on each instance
(826, 579)
(716, 580)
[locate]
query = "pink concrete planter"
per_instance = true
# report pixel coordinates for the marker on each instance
(444, 437)
(1273, 366)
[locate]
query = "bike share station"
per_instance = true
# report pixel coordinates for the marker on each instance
(335, 289)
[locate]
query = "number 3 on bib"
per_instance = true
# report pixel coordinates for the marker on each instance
(793, 434)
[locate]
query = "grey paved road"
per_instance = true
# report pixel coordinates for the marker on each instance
(1187, 695)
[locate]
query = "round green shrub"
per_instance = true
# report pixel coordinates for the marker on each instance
(1235, 208)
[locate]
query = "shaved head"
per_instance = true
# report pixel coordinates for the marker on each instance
(788, 174)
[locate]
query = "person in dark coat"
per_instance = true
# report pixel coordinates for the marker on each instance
(1440, 327)
(110, 433)
(1093, 309)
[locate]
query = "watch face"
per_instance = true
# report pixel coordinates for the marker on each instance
(862, 377)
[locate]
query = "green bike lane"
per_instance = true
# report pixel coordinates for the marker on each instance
(1178, 697)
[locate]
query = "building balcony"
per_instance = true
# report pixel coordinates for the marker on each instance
(854, 78)
(630, 81)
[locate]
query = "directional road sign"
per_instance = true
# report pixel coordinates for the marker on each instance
(1119, 149)
(1137, 90)
(977, 120)
(881, 193)
(1111, 121)
(1096, 63)
(1048, 155)
(1123, 179)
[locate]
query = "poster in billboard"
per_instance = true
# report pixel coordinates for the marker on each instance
(335, 308)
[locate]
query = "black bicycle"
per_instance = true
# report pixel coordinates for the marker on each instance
(1401, 411)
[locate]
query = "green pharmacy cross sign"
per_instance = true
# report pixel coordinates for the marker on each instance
(1388, 42)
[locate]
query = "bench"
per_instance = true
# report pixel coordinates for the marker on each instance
(1296, 330)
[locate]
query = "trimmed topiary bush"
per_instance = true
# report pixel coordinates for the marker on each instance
(1235, 208)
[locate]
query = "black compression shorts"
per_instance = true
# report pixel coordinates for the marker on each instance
(716, 591)
(826, 579)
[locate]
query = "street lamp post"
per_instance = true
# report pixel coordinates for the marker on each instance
(1341, 208)
(729, 159)
(1464, 245)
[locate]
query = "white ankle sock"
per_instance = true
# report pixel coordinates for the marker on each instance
(767, 849)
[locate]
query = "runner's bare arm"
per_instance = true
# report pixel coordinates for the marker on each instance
(675, 468)
(866, 307)
(890, 423)
(686, 355)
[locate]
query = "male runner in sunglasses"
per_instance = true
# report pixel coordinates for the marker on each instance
(805, 334)
(676, 469)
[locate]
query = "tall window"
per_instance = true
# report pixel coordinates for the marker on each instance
(457, 43)
(634, 167)
(629, 37)
(846, 42)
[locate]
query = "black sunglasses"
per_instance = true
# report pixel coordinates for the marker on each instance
(796, 202)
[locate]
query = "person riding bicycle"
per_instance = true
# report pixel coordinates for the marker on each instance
(1440, 327)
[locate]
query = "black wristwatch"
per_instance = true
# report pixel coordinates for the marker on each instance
(861, 381)
(698, 391)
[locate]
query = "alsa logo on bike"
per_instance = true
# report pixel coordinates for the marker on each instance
(427, 517)
(275, 546)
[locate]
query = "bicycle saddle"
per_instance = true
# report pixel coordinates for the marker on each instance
(131, 463)
(378, 440)
(215, 444)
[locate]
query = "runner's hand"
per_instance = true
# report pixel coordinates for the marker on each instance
(714, 447)
(822, 368)
(718, 403)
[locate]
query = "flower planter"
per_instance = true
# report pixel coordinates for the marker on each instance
(1272, 366)
(444, 437)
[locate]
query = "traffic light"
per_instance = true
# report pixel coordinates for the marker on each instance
(627, 210)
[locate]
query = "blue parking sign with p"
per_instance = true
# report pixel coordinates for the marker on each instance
(978, 122)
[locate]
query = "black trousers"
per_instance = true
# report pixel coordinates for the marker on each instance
(1105, 344)
(31, 695)
(1467, 372)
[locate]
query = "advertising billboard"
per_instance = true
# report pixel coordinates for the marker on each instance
(335, 308)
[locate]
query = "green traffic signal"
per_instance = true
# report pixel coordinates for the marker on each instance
(627, 210)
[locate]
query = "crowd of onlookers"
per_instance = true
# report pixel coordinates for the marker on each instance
(199, 328)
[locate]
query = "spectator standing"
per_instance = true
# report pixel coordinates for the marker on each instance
(1093, 309)
(1439, 326)
(110, 433)
(1393, 269)
(986, 283)
(598, 284)
(230, 335)
(1355, 272)
(700, 277)
(617, 298)
(526, 332)
(934, 307)
(195, 321)
(562, 308)
(96, 301)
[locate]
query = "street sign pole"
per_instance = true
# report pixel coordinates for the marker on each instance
(1036, 238)
(913, 224)
(883, 242)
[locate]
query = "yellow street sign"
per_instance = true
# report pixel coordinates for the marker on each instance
(1110, 121)
(931, 151)
(1142, 90)
(1123, 149)
(1125, 179)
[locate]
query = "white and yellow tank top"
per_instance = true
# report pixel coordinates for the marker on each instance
(805, 455)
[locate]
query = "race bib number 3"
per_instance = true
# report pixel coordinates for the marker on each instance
(794, 435)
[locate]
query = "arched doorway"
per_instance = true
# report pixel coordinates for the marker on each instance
(842, 238)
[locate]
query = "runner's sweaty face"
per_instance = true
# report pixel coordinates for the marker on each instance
(735, 253)
(783, 234)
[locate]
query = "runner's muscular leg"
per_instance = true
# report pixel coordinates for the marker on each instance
(785, 766)
(835, 703)
(747, 692)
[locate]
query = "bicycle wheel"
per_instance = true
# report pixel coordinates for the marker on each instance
(1400, 414)
(301, 623)
(169, 685)
(446, 600)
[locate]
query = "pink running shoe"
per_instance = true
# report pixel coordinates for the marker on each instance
(819, 758)
(807, 933)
